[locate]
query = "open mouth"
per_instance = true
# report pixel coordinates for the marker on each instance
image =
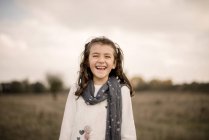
(101, 67)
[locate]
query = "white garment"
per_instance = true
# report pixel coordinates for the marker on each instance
(78, 114)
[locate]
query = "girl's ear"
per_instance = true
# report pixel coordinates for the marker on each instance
(114, 66)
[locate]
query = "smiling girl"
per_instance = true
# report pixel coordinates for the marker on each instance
(99, 106)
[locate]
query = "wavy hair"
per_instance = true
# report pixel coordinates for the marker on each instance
(85, 73)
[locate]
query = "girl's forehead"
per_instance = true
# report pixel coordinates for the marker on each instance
(101, 48)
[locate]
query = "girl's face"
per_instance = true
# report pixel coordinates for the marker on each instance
(101, 62)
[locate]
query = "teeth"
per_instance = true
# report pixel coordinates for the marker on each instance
(100, 67)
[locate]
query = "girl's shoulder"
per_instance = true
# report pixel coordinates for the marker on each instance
(73, 88)
(125, 91)
(124, 88)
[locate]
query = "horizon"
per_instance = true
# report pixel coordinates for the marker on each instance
(163, 40)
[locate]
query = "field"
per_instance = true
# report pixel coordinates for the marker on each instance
(158, 116)
(171, 116)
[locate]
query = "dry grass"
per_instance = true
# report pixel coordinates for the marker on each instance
(158, 116)
(171, 116)
(30, 117)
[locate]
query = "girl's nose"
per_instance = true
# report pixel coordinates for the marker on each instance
(101, 59)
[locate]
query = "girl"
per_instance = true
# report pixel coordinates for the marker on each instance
(99, 106)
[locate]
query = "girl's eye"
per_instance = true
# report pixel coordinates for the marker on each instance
(95, 56)
(107, 56)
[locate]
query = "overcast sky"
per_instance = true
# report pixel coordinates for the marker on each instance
(165, 39)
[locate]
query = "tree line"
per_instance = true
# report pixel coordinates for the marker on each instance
(139, 84)
(54, 85)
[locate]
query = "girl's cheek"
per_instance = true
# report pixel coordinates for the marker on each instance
(92, 59)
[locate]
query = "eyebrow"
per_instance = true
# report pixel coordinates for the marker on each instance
(99, 53)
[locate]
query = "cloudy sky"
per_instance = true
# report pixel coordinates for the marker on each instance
(165, 39)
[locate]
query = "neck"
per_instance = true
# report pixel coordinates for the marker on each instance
(100, 81)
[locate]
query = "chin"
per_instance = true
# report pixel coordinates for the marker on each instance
(101, 77)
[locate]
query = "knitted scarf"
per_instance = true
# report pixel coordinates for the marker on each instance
(111, 91)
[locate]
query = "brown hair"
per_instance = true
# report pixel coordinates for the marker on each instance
(85, 73)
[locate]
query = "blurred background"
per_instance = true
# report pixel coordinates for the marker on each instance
(166, 52)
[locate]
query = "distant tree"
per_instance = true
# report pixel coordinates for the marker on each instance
(204, 87)
(193, 87)
(38, 87)
(55, 84)
(26, 85)
(17, 87)
(154, 84)
(138, 83)
(157, 84)
(6, 87)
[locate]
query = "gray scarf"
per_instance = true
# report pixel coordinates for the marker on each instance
(112, 92)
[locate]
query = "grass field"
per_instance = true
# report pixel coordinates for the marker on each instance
(158, 116)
